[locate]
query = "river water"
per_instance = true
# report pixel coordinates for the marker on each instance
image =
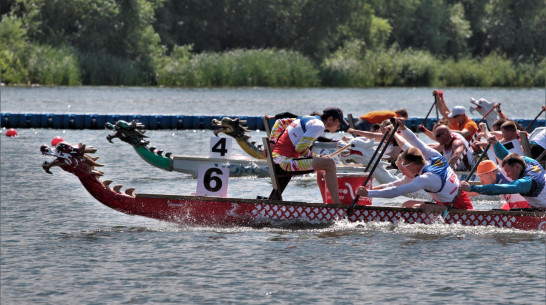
(60, 246)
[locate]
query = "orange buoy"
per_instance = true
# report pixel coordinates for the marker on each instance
(11, 133)
(56, 140)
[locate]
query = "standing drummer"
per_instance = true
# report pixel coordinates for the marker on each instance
(291, 141)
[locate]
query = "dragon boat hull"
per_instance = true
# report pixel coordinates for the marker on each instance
(196, 210)
(212, 211)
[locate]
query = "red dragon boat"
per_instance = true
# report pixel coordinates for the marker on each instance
(214, 211)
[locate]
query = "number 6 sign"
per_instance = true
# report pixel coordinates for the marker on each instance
(212, 181)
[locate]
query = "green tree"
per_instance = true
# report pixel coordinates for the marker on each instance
(516, 27)
(114, 30)
(434, 25)
(307, 26)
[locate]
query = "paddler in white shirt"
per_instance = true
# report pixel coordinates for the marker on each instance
(423, 168)
(508, 136)
(291, 141)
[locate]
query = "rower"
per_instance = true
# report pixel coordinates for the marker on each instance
(508, 136)
(529, 179)
(457, 119)
(452, 145)
(489, 173)
(423, 168)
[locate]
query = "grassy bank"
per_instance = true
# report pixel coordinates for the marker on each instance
(32, 64)
(268, 68)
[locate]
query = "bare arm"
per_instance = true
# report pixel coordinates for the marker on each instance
(457, 152)
(502, 115)
(427, 132)
(377, 136)
(441, 104)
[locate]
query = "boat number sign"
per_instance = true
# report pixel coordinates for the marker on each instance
(212, 181)
(220, 147)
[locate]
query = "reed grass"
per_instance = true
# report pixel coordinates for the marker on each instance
(33, 64)
(107, 69)
(269, 68)
(420, 68)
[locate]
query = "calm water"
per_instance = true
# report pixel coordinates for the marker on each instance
(60, 246)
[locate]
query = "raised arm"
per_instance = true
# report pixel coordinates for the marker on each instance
(502, 115)
(441, 104)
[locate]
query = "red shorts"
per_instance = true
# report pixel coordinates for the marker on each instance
(462, 202)
(515, 205)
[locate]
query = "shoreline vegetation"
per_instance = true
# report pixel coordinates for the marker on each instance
(275, 68)
(276, 43)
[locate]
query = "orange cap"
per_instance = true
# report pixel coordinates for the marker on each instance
(486, 167)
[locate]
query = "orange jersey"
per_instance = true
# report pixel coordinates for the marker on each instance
(468, 124)
(376, 117)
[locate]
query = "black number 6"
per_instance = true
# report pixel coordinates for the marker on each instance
(208, 178)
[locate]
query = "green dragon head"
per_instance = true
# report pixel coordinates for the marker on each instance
(132, 133)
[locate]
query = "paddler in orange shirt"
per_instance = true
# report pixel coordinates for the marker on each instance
(366, 121)
(457, 120)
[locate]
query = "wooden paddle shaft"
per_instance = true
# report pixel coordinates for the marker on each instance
(473, 138)
(467, 179)
(429, 111)
(352, 206)
(337, 152)
(527, 128)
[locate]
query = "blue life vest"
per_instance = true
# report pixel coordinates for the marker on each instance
(437, 166)
(501, 179)
(536, 172)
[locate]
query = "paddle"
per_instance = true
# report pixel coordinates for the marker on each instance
(376, 150)
(353, 205)
(473, 137)
(530, 124)
(430, 110)
(337, 152)
(444, 215)
(351, 121)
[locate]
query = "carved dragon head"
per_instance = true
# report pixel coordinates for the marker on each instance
(132, 133)
(235, 128)
(73, 159)
(482, 106)
(361, 152)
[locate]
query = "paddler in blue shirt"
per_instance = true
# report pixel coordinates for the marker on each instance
(527, 174)
(423, 168)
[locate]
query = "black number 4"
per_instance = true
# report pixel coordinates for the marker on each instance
(220, 147)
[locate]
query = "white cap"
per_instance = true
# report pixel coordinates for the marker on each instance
(457, 110)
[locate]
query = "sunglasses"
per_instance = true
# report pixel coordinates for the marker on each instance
(438, 135)
(406, 165)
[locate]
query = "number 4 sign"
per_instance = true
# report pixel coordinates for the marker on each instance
(212, 181)
(220, 147)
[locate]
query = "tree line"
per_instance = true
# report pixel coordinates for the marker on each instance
(139, 42)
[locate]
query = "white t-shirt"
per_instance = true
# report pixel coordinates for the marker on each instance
(539, 138)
